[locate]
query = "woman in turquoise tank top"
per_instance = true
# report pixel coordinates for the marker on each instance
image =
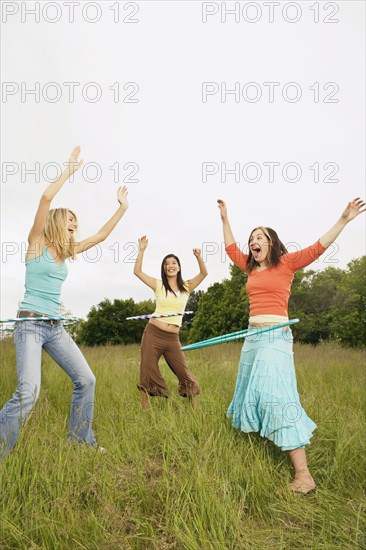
(161, 336)
(51, 240)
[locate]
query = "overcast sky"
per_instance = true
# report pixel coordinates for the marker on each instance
(292, 128)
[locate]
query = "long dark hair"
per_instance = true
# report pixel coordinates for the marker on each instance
(276, 250)
(164, 278)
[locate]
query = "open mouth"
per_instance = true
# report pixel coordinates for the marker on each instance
(256, 250)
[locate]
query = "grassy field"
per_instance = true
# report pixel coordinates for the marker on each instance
(173, 478)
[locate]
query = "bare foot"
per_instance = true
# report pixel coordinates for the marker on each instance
(192, 402)
(303, 482)
(144, 400)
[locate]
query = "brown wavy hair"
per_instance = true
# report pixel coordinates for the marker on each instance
(180, 283)
(56, 234)
(276, 248)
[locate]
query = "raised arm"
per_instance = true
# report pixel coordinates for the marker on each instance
(49, 193)
(352, 210)
(149, 281)
(232, 249)
(228, 234)
(107, 228)
(193, 283)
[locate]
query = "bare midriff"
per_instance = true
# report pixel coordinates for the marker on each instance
(267, 320)
(168, 327)
(263, 325)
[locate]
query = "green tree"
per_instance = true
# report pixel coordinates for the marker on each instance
(192, 305)
(348, 311)
(311, 301)
(331, 304)
(223, 308)
(106, 323)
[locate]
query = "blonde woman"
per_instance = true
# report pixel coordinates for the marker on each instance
(51, 240)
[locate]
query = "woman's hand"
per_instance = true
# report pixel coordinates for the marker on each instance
(353, 209)
(143, 242)
(223, 209)
(74, 163)
(108, 227)
(193, 283)
(149, 281)
(48, 195)
(122, 197)
(228, 234)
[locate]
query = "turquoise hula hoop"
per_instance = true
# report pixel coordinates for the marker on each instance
(235, 336)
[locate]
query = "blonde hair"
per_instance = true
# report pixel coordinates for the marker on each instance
(56, 233)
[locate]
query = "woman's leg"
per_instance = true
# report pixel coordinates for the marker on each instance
(188, 385)
(28, 338)
(151, 381)
(63, 350)
(303, 481)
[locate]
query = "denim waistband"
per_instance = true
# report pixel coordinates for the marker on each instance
(23, 313)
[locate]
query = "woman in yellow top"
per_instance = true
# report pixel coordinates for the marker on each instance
(161, 336)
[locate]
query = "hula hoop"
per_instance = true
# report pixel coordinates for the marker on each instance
(43, 318)
(151, 316)
(65, 321)
(235, 336)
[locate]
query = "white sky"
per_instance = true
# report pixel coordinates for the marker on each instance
(170, 132)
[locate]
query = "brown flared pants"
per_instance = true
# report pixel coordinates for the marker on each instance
(155, 343)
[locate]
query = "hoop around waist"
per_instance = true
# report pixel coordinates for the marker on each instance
(35, 314)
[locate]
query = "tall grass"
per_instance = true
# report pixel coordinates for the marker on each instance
(173, 478)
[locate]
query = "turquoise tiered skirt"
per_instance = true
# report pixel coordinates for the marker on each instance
(266, 398)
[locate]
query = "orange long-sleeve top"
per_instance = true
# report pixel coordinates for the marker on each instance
(269, 290)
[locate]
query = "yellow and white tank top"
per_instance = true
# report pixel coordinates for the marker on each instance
(168, 303)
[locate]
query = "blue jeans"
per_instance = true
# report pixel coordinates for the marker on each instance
(29, 338)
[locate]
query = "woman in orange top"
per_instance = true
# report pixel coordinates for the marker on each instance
(266, 398)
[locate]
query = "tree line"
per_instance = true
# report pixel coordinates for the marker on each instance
(330, 305)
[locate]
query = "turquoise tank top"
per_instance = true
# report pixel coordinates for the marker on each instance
(43, 281)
